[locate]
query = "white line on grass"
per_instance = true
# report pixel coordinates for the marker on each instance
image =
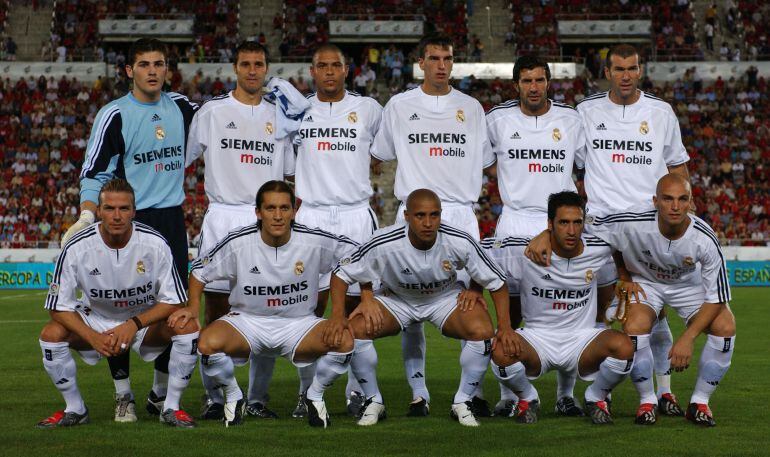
(13, 297)
(24, 321)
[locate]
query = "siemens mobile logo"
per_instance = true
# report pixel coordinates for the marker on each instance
(436, 150)
(158, 154)
(126, 298)
(621, 150)
(540, 154)
(331, 133)
(284, 289)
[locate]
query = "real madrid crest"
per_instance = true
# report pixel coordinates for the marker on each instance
(269, 128)
(353, 117)
(446, 265)
(689, 261)
(53, 289)
(299, 268)
(460, 116)
(644, 128)
(589, 276)
(140, 267)
(589, 219)
(556, 135)
(159, 132)
(205, 260)
(498, 244)
(345, 261)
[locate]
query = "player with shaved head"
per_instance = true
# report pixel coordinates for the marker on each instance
(418, 262)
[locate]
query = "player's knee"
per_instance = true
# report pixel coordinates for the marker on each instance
(636, 326)
(723, 325)
(502, 359)
(209, 344)
(622, 347)
(190, 327)
(54, 332)
(479, 331)
(347, 343)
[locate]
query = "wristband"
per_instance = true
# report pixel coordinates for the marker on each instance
(137, 322)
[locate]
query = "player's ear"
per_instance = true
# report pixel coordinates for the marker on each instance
(129, 71)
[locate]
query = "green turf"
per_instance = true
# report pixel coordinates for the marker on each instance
(27, 395)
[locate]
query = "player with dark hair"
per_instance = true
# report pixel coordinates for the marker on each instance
(130, 287)
(141, 137)
(558, 304)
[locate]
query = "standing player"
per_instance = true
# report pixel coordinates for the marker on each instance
(417, 262)
(632, 140)
(558, 304)
(273, 268)
(141, 137)
(235, 133)
(673, 258)
(333, 160)
(130, 286)
(439, 137)
(535, 141)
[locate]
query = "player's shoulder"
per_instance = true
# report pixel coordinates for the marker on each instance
(388, 233)
(636, 216)
(502, 109)
(216, 102)
(654, 101)
(591, 241)
(81, 241)
(592, 101)
(400, 97)
(149, 237)
(312, 96)
(365, 101)
(317, 235)
(564, 110)
(704, 231)
(114, 107)
(180, 99)
(456, 235)
(509, 244)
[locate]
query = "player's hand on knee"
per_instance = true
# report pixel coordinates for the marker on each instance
(681, 353)
(539, 249)
(373, 318)
(122, 335)
(102, 343)
(86, 218)
(180, 318)
(469, 298)
(631, 291)
(335, 331)
(509, 341)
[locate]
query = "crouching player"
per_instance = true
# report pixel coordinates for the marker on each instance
(558, 304)
(418, 263)
(130, 287)
(673, 257)
(272, 268)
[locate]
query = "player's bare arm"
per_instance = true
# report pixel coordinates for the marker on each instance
(371, 312)
(539, 249)
(180, 317)
(123, 334)
(338, 323)
(681, 352)
(506, 337)
(101, 343)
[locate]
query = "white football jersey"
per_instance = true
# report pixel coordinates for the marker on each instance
(628, 148)
(534, 154)
(440, 143)
(560, 297)
(695, 258)
(116, 283)
(270, 281)
(333, 157)
(239, 147)
(416, 276)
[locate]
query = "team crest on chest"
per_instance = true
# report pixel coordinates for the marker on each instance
(159, 132)
(589, 276)
(556, 135)
(299, 268)
(140, 268)
(269, 128)
(460, 116)
(688, 261)
(497, 244)
(644, 128)
(446, 265)
(353, 117)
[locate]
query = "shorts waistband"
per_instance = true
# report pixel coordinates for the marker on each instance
(339, 208)
(447, 204)
(236, 208)
(523, 212)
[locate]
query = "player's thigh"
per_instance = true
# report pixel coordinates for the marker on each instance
(724, 323)
(640, 318)
(351, 303)
(528, 355)
(160, 334)
(313, 346)
(473, 325)
(609, 343)
(222, 336)
(54, 332)
(217, 305)
(390, 325)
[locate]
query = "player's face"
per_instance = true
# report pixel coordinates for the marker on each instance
(329, 72)
(437, 65)
(250, 71)
(276, 214)
(149, 74)
(673, 203)
(624, 74)
(424, 219)
(567, 227)
(533, 89)
(116, 212)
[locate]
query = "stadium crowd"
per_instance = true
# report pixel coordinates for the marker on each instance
(44, 126)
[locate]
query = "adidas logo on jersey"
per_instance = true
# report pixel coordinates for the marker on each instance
(254, 270)
(414, 117)
(406, 271)
(646, 252)
(547, 277)
(601, 127)
(95, 272)
(516, 136)
(231, 125)
(309, 119)
(155, 118)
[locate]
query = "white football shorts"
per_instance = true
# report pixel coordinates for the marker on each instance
(686, 299)
(101, 323)
(436, 312)
(559, 350)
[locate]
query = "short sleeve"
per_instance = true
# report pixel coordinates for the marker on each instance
(169, 288)
(383, 147)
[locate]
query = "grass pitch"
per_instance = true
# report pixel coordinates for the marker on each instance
(740, 406)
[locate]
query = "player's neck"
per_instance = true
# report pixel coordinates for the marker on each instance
(539, 112)
(673, 231)
(435, 89)
(144, 97)
(247, 98)
(275, 241)
(331, 98)
(567, 253)
(630, 100)
(420, 244)
(116, 241)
